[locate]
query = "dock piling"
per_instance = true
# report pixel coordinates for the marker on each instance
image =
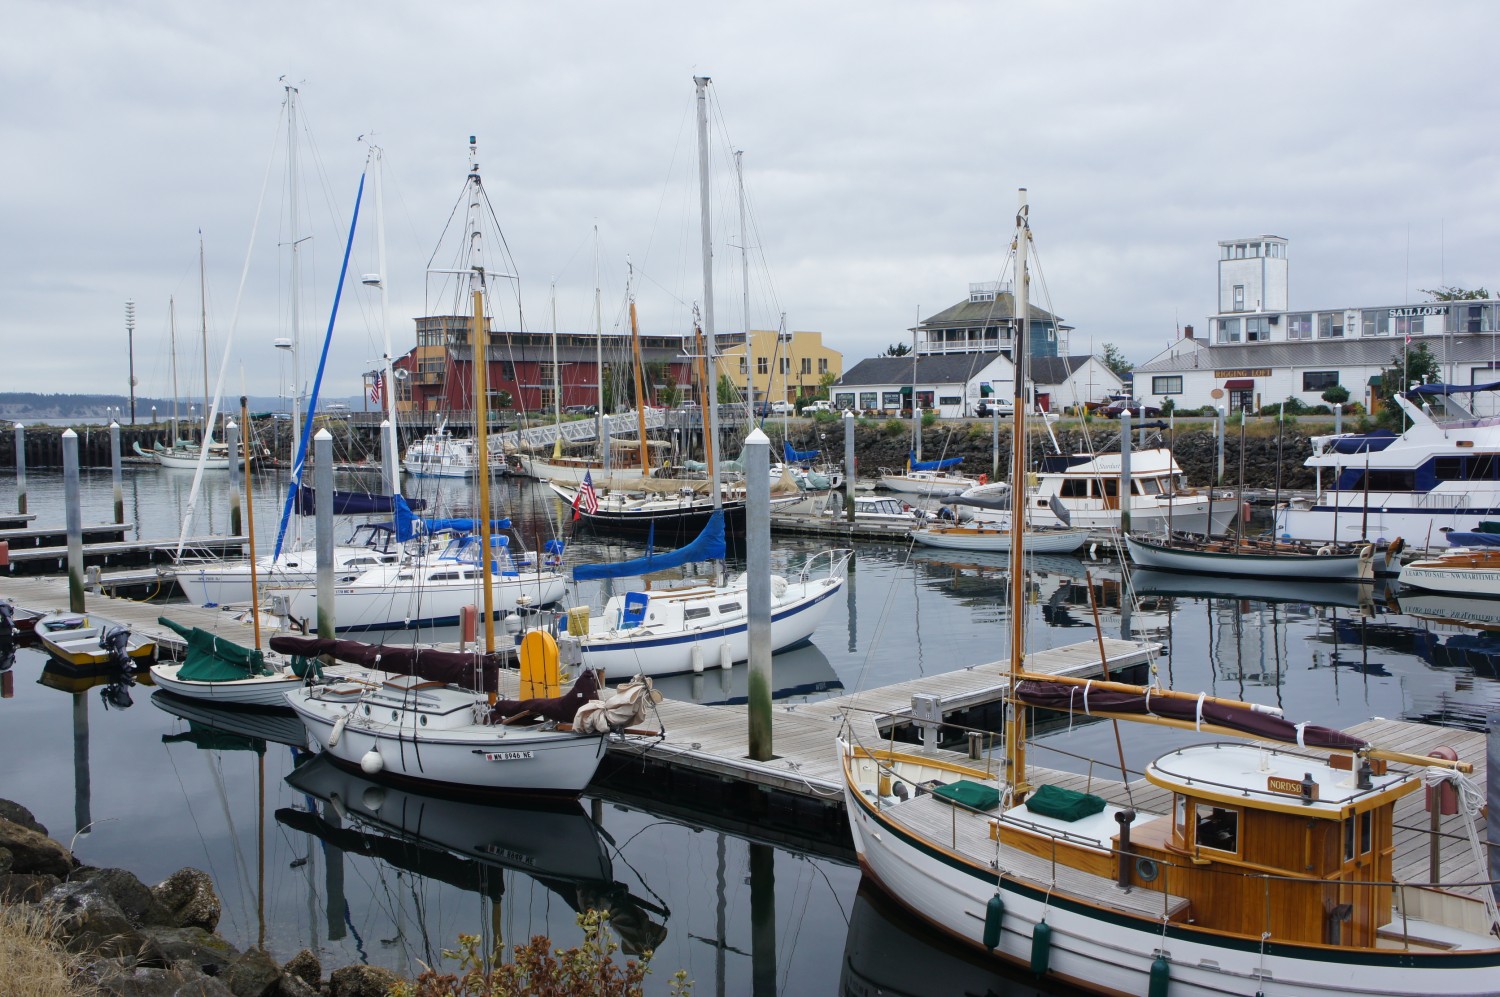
(757, 456)
(20, 469)
(323, 485)
(849, 466)
(232, 437)
(73, 504)
(1124, 472)
(114, 471)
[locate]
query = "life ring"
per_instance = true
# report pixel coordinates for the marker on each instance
(1325, 550)
(984, 479)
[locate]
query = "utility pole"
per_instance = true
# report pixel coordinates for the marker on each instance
(130, 348)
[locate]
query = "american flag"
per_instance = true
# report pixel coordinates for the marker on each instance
(377, 387)
(587, 500)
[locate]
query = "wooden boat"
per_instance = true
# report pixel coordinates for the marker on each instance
(928, 478)
(987, 538)
(1465, 571)
(1269, 869)
(85, 639)
(1250, 559)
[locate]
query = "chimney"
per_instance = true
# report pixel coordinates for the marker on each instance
(1187, 332)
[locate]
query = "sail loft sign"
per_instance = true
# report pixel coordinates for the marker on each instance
(1245, 372)
(1419, 311)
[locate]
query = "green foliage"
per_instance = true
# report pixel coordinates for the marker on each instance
(898, 350)
(1452, 293)
(727, 392)
(1114, 359)
(535, 968)
(826, 418)
(928, 419)
(894, 427)
(669, 394)
(1168, 406)
(1417, 365)
(1293, 406)
(1336, 395)
(825, 382)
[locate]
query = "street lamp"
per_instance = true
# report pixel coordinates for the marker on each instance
(130, 347)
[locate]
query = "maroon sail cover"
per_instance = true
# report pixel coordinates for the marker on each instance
(562, 708)
(1070, 699)
(460, 668)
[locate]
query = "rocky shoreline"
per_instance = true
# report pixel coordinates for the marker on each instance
(134, 940)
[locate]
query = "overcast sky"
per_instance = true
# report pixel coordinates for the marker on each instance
(883, 146)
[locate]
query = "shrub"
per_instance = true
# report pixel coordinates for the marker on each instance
(928, 419)
(894, 427)
(1168, 406)
(1336, 395)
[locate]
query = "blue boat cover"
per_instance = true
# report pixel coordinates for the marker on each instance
(1457, 539)
(408, 524)
(1365, 443)
(794, 456)
(1453, 389)
(709, 546)
(930, 465)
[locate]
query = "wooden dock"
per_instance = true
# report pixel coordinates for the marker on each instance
(25, 538)
(42, 560)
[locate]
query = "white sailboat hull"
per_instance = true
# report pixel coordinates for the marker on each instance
(647, 651)
(1434, 576)
(469, 756)
(1114, 953)
(378, 600)
(982, 539)
(258, 690)
(1331, 567)
(1383, 522)
(225, 584)
(928, 483)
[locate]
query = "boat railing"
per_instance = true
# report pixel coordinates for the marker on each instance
(837, 560)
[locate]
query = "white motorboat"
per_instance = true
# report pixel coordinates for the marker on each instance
(1437, 476)
(441, 455)
(430, 592)
(1253, 559)
(668, 631)
(882, 509)
(1460, 571)
(929, 479)
(971, 536)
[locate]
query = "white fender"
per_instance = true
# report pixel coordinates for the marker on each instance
(338, 730)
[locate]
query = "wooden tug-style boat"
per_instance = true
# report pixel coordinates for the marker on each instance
(1266, 868)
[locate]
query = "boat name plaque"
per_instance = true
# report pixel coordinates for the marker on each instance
(1292, 787)
(508, 756)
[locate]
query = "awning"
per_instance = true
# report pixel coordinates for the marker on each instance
(1240, 384)
(906, 389)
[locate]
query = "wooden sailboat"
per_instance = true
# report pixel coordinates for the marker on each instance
(1268, 868)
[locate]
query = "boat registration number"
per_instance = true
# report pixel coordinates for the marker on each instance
(508, 756)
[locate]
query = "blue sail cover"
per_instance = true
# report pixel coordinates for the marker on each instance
(930, 465)
(794, 456)
(408, 525)
(709, 546)
(1453, 389)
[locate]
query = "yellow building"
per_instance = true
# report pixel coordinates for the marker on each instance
(788, 365)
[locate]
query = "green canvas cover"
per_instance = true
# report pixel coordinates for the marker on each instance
(970, 794)
(1064, 804)
(1488, 526)
(211, 658)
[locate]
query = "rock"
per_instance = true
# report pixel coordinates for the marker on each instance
(188, 896)
(254, 974)
(295, 986)
(90, 921)
(194, 948)
(25, 887)
(134, 898)
(120, 980)
(306, 966)
(361, 981)
(17, 814)
(33, 851)
(7, 860)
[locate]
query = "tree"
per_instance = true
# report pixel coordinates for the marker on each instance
(825, 384)
(1455, 293)
(1415, 366)
(728, 392)
(1115, 360)
(1336, 395)
(898, 350)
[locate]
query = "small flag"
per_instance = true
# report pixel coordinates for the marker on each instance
(377, 388)
(1408, 339)
(587, 500)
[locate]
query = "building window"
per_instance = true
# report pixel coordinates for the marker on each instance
(1330, 325)
(1319, 380)
(1229, 330)
(743, 366)
(1375, 322)
(890, 399)
(1239, 297)
(1476, 318)
(867, 399)
(843, 400)
(762, 365)
(786, 365)
(1257, 330)
(822, 365)
(807, 365)
(1299, 326)
(950, 400)
(1409, 325)
(1168, 385)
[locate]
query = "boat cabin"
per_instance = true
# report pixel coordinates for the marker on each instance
(1094, 483)
(874, 509)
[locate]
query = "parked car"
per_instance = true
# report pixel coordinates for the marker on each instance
(1004, 406)
(1133, 406)
(817, 405)
(782, 407)
(578, 410)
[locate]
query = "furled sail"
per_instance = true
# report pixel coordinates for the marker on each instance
(930, 465)
(791, 456)
(708, 546)
(462, 668)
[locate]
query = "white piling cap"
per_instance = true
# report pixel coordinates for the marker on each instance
(68, 433)
(758, 438)
(113, 424)
(323, 434)
(231, 425)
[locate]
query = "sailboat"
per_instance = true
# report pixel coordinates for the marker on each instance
(930, 478)
(1266, 869)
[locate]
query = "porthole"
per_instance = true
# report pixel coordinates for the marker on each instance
(424, 721)
(395, 715)
(367, 709)
(1146, 870)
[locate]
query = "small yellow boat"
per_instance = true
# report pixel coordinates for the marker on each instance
(83, 639)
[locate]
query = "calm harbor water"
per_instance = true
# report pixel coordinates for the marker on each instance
(305, 855)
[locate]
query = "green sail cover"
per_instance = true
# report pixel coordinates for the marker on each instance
(1064, 804)
(974, 795)
(211, 658)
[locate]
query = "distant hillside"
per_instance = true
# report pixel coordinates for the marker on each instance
(31, 405)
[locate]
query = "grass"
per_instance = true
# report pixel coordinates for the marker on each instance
(32, 962)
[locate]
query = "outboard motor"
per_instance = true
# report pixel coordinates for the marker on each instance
(117, 694)
(116, 642)
(8, 631)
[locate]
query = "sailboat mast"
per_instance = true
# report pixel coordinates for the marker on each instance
(1015, 721)
(203, 324)
(712, 401)
(556, 370)
(600, 415)
(479, 354)
(640, 391)
(172, 332)
(295, 283)
(708, 439)
(392, 459)
(739, 172)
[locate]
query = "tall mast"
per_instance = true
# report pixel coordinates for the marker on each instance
(479, 356)
(599, 414)
(296, 291)
(203, 324)
(556, 370)
(172, 327)
(640, 391)
(1015, 720)
(739, 172)
(701, 82)
(391, 459)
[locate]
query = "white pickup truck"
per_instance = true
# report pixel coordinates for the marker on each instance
(818, 405)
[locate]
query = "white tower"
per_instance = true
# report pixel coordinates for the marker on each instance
(1253, 275)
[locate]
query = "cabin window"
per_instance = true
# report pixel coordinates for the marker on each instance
(1349, 840)
(1075, 487)
(1366, 831)
(1150, 486)
(1170, 384)
(1448, 468)
(729, 607)
(695, 614)
(1482, 467)
(1179, 812)
(1111, 487)
(1218, 828)
(444, 576)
